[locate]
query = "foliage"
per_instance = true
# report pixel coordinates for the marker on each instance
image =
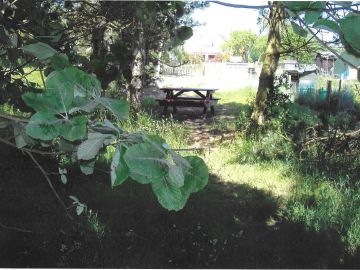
(258, 49)
(295, 46)
(61, 119)
(240, 43)
(326, 16)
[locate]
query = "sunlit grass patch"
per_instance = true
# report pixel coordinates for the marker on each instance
(268, 176)
(33, 76)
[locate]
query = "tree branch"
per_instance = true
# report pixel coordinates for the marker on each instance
(51, 185)
(13, 118)
(239, 5)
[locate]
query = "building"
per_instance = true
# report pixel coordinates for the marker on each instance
(325, 62)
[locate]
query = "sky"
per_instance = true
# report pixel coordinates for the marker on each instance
(219, 21)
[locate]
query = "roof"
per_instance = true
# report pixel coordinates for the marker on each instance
(326, 54)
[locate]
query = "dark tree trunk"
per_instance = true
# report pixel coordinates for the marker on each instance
(271, 59)
(137, 68)
(99, 53)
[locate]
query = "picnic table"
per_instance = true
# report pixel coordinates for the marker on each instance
(175, 97)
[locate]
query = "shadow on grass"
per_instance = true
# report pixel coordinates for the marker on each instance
(223, 226)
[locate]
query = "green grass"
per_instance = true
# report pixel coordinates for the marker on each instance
(174, 132)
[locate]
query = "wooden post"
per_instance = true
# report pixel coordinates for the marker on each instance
(328, 94)
(339, 85)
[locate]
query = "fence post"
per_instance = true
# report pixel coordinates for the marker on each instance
(328, 94)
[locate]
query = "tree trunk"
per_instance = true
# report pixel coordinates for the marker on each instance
(271, 59)
(137, 68)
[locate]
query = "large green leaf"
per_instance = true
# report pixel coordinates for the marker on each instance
(197, 177)
(168, 195)
(43, 126)
(312, 16)
(83, 104)
(296, 5)
(317, 5)
(40, 50)
(146, 160)
(59, 61)
(88, 149)
(77, 81)
(119, 108)
(119, 169)
(298, 29)
(341, 66)
(328, 25)
(74, 129)
(350, 29)
(59, 86)
(41, 102)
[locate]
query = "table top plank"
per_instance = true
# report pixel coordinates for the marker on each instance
(187, 89)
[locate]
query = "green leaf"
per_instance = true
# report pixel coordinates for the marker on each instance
(40, 50)
(296, 5)
(176, 175)
(317, 5)
(312, 16)
(327, 25)
(59, 61)
(88, 149)
(119, 108)
(87, 168)
(63, 178)
(83, 104)
(59, 86)
(119, 169)
(43, 126)
(349, 27)
(40, 102)
(197, 177)
(71, 82)
(358, 74)
(74, 129)
(341, 67)
(4, 124)
(298, 29)
(184, 33)
(146, 160)
(168, 195)
(65, 146)
(21, 138)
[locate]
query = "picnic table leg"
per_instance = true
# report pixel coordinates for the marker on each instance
(174, 109)
(205, 111)
(212, 110)
(165, 111)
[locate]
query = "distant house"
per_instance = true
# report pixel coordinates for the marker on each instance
(325, 62)
(206, 45)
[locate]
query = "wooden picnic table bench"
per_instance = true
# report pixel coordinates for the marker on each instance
(174, 97)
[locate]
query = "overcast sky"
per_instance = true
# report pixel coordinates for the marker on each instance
(221, 21)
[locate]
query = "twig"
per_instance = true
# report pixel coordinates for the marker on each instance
(51, 185)
(28, 149)
(19, 229)
(13, 118)
(189, 149)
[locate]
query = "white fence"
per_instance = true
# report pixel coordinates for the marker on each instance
(218, 75)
